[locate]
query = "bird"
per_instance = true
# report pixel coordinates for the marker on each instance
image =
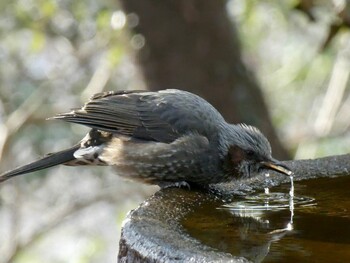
(168, 138)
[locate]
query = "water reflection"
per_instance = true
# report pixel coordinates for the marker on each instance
(281, 224)
(256, 233)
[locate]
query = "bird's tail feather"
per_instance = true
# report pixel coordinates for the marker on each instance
(50, 160)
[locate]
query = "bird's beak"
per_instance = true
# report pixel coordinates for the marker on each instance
(277, 166)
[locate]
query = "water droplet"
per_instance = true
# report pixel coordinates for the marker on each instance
(291, 191)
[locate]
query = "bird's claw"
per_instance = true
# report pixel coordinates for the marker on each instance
(181, 184)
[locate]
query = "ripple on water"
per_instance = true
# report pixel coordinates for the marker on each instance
(271, 202)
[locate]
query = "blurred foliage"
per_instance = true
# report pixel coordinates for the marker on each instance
(304, 83)
(55, 54)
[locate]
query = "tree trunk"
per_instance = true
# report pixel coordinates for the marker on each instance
(192, 45)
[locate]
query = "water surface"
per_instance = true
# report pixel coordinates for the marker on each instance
(273, 226)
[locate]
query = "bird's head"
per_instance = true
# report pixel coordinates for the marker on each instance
(248, 150)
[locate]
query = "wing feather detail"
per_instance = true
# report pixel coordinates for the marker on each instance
(158, 116)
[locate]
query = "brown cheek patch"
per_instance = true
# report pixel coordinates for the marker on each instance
(236, 154)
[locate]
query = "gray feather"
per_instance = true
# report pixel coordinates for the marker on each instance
(46, 162)
(160, 116)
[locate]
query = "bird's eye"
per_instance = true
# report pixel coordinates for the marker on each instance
(249, 153)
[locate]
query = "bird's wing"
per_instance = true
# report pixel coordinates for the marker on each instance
(159, 116)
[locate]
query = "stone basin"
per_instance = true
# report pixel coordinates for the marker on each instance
(178, 225)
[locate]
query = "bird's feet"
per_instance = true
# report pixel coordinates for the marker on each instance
(181, 184)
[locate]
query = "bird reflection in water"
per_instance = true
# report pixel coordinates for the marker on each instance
(263, 219)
